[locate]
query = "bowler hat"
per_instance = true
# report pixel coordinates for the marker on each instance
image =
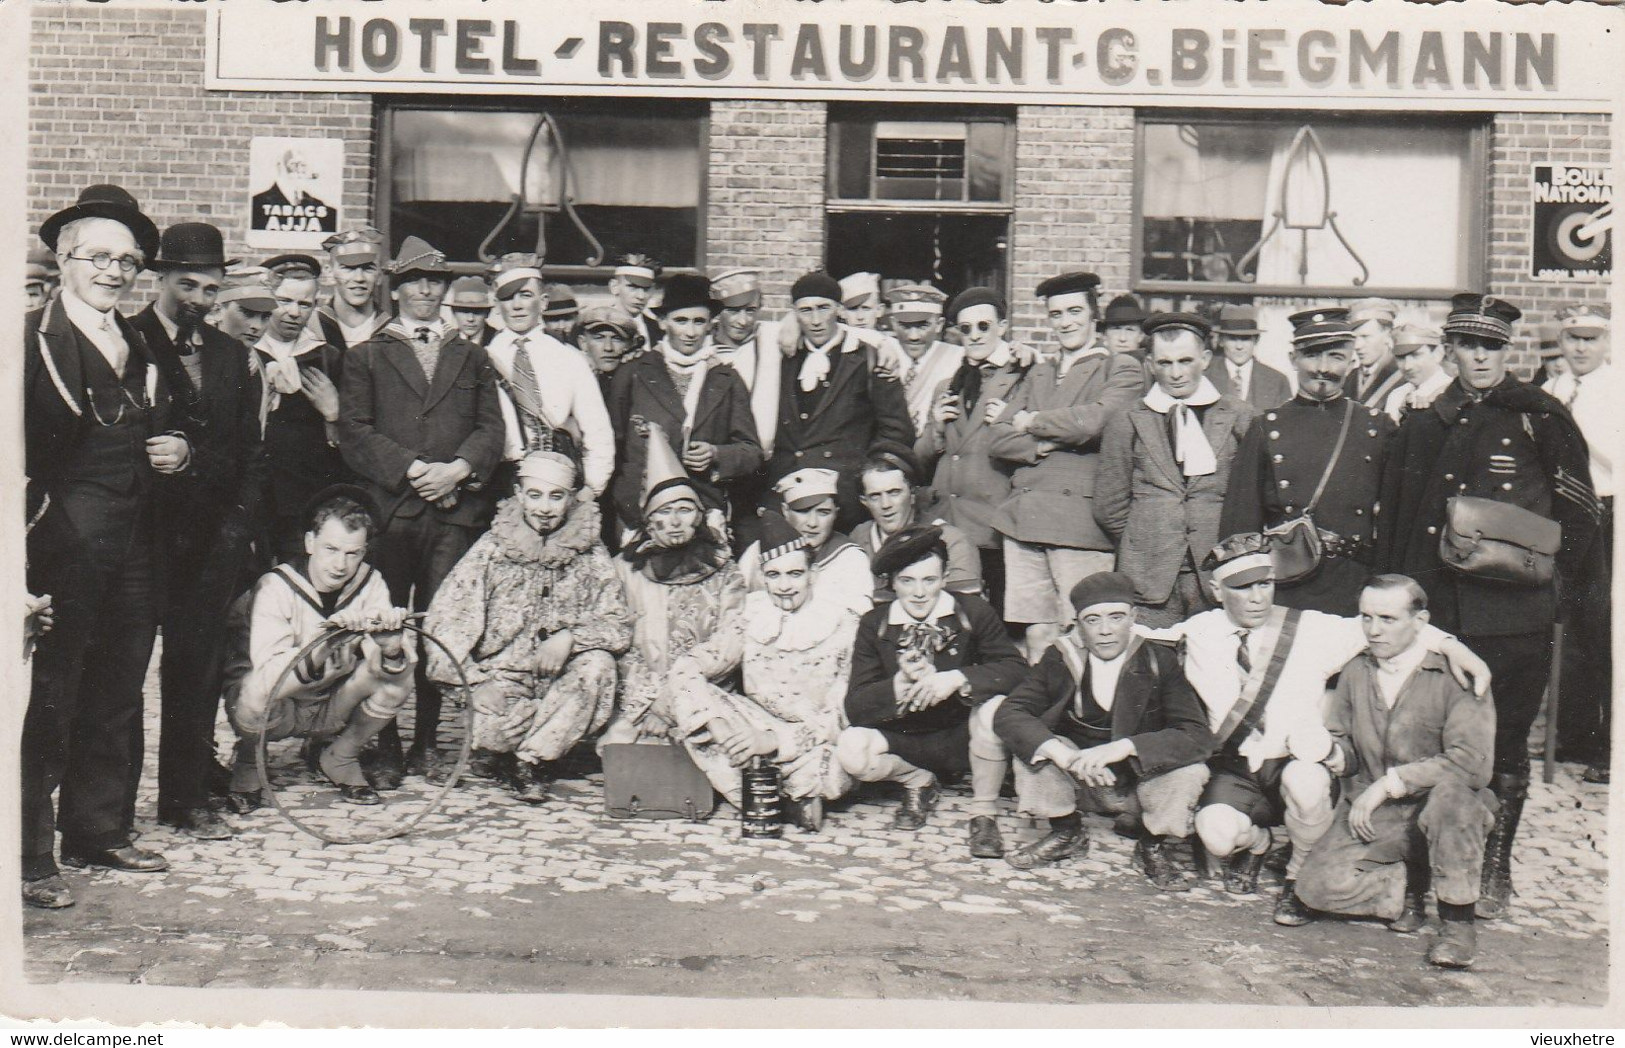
(1123, 311)
(687, 291)
(561, 303)
(104, 201)
(191, 245)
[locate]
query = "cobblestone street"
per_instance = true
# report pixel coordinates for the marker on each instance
(490, 895)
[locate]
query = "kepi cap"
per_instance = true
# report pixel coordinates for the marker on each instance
(915, 302)
(1317, 329)
(1481, 316)
(1584, 319)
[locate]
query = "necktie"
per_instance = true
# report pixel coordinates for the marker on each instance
(1238, 379)
(1085, 687)
(1244, 660)
(115, 339)
(527, 391)
(1574, 393)
(425, 350)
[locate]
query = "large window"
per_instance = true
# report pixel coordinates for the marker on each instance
(1319, 202)
(921, 192)
(600, 180)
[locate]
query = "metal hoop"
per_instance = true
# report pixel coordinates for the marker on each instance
(399, 829)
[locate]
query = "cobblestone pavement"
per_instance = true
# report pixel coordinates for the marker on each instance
(491, 895)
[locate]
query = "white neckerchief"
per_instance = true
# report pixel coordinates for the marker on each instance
(1191, 447)
(816, 367)
(1393, 673)
(100, 328)
(282, 372)
(694, 367)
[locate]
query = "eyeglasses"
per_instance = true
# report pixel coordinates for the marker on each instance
(102, 259)
(979, 327)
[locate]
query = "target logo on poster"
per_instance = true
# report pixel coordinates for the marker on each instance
(1573, 220)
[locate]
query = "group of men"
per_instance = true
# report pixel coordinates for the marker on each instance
(876, 541)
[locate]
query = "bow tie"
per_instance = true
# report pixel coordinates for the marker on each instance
(424, 335)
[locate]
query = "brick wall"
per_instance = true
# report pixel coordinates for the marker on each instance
(1517, 142)
(116, 95)
(765, 192)
(1073, 203)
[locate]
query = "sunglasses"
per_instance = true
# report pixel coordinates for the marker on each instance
(980, 327)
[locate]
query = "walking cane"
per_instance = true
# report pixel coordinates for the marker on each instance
(1549, 765)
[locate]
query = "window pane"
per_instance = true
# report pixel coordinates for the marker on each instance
(1399, 195)
(635, 181)
(890, 153)
(987, 150)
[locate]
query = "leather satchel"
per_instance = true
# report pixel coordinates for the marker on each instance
(1499, 541)
(654, 781)
(1295, 544)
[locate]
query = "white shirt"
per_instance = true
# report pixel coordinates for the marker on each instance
(1324, 644)
(100, 328)
(922, 377)
(1103, 677)
(1402, 396)
(897, 615)
(1393, 673)
(570, 397)
(355, 334)
(1241, 377)
(759, 362)
(1596, 411)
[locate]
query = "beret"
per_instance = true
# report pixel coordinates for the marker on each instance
(909, 546)
(815, 285)
(1103, 587)
(976, 296)
(1068, 284)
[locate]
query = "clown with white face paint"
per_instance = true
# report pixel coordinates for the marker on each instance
(793, 648)
(807, 497)
(536, 616)
(682, 588)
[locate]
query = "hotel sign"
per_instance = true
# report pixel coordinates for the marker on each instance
(1292, 54)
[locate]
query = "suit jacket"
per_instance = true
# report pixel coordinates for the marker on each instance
(978, 646)
(643, 387)
(857, 411)
(1436, 731)
(390, 415)
(223, 414)
(56, 418)
(1052, 491)
(1267, 389)
(1157, 708)
(968, 485)
(1387, 380)
(1145, 502)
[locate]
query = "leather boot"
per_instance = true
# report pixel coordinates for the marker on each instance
(383, 763)
(1066, 839)
(1456, 945)
(531, 780)
(985, 840)
(1241, 872)
(918, 803)
(1415, 915)
(1495, 887)
(1289, 909)
(1159, 857)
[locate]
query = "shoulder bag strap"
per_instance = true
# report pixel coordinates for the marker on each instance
(1331, 463)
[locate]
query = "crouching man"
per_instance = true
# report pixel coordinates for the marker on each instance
(536, 616)
(1111, 717)
(1415, 747)
(920, 664)
(347, 688)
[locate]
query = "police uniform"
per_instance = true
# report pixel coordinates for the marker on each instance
(1280, 464)
(1516, 444)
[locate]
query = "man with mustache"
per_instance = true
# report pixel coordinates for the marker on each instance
(1321, 454)
(421, 425)
(208, 529)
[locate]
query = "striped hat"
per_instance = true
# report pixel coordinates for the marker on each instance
(779, 538)
(1240, 560)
